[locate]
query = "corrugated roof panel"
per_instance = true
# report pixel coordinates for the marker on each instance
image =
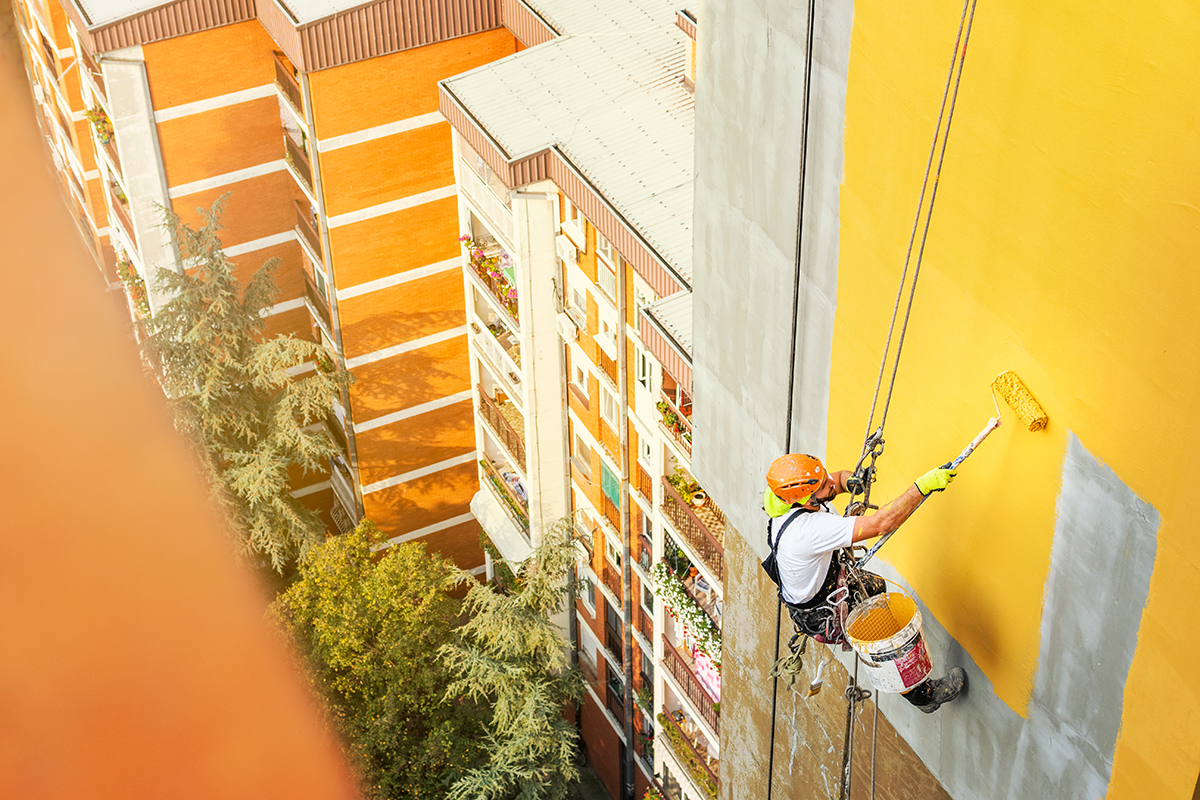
(674, 313)
(612, 102)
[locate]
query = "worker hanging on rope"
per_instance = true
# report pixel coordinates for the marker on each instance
(811, 561)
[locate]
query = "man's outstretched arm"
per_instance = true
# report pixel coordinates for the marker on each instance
(893, 514)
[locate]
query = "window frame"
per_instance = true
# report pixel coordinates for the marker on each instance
(574, 224)
(608, 398)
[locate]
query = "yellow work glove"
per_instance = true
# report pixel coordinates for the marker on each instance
(935, 480)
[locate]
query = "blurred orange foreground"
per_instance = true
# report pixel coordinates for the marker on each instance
(134, 657)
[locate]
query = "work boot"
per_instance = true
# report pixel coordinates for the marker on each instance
(943, 690)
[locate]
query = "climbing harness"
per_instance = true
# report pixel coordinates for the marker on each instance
(864, 473)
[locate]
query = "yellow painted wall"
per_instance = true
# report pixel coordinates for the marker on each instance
(1063, 246)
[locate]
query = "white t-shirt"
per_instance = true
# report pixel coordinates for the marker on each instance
(806, 549)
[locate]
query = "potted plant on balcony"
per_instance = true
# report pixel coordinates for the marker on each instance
(101, 123)
(687, 612)
(488, 269)
(687, 487)
(134, 285)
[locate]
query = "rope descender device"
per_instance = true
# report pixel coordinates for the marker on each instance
(863, 475)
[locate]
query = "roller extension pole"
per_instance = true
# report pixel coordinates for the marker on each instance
(992, 424)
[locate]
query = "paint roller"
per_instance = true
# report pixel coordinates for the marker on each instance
(1020, 400)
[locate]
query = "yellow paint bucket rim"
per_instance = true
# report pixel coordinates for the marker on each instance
(881, 617)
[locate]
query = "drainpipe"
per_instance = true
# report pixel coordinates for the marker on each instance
(626, 549)
(313, 156)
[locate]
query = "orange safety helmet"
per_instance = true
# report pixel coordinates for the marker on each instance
(794, 477)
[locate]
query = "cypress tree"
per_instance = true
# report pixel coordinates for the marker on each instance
(235, 395)
(513, 658)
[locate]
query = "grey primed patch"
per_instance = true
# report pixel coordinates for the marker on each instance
(1100, 565)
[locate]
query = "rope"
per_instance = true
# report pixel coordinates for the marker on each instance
(873, 438)
(790, 666)
(955, 78)
(787, 439)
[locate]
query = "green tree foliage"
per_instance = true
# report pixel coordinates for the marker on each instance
(370, 631)
(231, 392)
(515, 659)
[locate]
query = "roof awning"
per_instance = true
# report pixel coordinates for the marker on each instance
(666, 330)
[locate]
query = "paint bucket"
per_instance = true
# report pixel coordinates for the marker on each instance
(885, 631)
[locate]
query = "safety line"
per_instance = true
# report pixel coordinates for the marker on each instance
(937, 132)
(787, 444)
(957, 62)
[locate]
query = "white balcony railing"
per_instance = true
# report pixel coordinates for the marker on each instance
(493, 208)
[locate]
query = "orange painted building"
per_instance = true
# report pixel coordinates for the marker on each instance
(323, 129)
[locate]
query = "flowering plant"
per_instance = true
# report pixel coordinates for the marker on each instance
(687, 612)
(134, 285)
(488, 268)
(101, 122)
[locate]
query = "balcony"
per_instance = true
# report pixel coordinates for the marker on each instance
(675, 423)
(344, 511)
(644, 553)
(611, 576)
(120, 208)
(308, 233)
(500, 348)
(702, 527)
(507, 487)
(611, 512)
(685, 741)
(683, 670)
(644, 483)
(289, 85)
(494, 268)
(506, 421)
(610, 440)
(486, 192)
(612, 642)
(645, 624)
(110, 148)
(299, 163)
(318, 306)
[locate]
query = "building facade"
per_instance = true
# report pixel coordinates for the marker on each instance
(323, 129)
(573, 164)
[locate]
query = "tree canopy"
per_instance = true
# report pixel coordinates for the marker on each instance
(514, 658)
(237, 395)
(370, 631)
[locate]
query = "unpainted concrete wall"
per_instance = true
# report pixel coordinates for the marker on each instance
(749, 101)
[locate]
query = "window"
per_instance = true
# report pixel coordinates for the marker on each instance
(579, 380)
(582, 456)
(608, 405)
(645, 370)
(320, 274)
(574, 224)
(612, 549)
(610, 485)
(588, 595)
(606, 337)
(578, 307)
(647, 599)
(604, 249)
(606, 277)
